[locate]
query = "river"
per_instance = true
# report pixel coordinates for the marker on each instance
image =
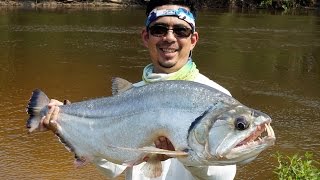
(269, 61)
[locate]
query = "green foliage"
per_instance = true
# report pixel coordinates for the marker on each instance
(297, 167)
(266, 3)
(245, 4)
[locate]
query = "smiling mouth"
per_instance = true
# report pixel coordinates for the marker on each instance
(168, 50)
(262, 135)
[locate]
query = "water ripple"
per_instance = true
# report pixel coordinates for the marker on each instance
(305, 101)
(73, 28)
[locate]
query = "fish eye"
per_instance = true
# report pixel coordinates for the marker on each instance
(241, 123)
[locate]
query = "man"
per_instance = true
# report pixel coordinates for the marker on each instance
(170, 36)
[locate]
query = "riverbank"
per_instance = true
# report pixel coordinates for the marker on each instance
(98, 4)
(65, 4)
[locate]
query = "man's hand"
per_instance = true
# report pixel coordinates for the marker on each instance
(48, 121)
(164, 143)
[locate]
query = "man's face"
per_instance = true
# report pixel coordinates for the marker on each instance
(169, 52)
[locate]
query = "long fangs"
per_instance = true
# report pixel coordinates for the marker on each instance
(269, 130)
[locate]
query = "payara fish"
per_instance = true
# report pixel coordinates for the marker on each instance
(205, 126)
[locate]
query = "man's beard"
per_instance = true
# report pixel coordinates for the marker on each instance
(165, 65)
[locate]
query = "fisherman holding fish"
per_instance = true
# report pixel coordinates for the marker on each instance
(170, 36)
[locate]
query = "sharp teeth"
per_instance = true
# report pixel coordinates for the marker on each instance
(168, 50)
(271, 131)
(268, 130)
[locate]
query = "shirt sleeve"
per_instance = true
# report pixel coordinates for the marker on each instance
(204, 80)
(108, 169)
(213, 172)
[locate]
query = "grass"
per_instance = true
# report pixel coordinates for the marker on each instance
(297, 167)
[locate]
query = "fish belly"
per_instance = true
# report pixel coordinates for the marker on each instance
(107, 137)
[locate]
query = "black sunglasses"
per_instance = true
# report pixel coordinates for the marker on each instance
(160, 30)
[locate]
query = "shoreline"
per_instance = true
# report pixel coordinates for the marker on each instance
(116, 4)
(66, 4)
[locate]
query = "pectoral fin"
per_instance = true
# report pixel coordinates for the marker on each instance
(153, 166)
(154, 150)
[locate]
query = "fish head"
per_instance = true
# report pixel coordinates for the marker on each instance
(233, 135)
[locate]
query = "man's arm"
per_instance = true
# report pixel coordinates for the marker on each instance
(108, 169)
(227, 172)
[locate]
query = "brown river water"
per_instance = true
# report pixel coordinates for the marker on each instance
(268, 61)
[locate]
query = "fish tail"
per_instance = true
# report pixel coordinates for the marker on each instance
(37, 102)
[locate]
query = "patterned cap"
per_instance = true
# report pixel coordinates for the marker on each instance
(181, 13)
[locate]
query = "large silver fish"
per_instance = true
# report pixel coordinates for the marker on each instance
(205, 126)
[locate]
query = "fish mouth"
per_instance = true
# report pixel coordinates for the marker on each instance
(263, 135)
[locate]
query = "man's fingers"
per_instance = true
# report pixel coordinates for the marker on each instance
(163, 143)
(53, 126)
(169, 145)
(66, 102)
(42, 126)
(55, 113)
(158, 144)
(54, 102)
(45, 120)
(49, 121)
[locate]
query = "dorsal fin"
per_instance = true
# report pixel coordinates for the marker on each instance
(120, 85)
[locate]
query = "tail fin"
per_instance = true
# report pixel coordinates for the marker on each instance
(36, 103)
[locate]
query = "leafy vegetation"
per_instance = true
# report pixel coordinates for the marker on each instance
(273, 4)
(246, 4)
(297, 167)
